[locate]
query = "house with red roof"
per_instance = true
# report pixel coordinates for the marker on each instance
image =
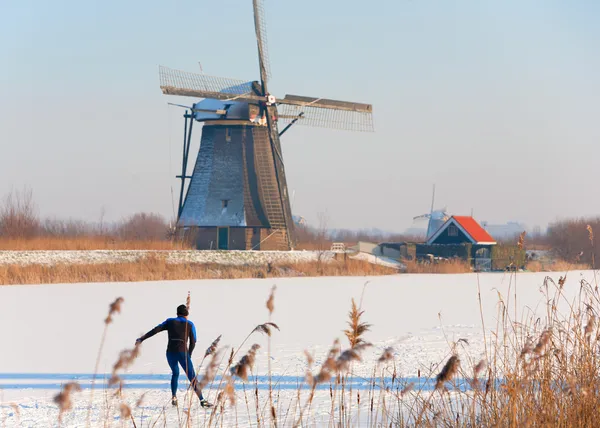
(463, 237)
(461, 230)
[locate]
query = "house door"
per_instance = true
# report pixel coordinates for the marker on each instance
(223, 238)
(483, 260)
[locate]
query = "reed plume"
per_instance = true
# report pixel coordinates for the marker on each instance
(521, 242)
(245, 364)
(350, 355)
(213, 347)
(407, 389)
(481, 365)
(590, 327)
(126, 358)
(387, 355)
(211, 369)
(125, 411)
(114, 308)
(356, 327)
(265, 328)
(544, 340)
(271, 300)
(63, 398)
(448, 371)
(329, 367)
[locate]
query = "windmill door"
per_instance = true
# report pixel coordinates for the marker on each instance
(223, 238)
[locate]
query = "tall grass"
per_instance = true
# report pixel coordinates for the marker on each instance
(52, 243)
(156, 268)
(447, 266)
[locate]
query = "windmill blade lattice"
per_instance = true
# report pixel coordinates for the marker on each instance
(177, 82)
(260, 24)
(327, 117)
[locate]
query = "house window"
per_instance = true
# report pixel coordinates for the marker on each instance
(225, 202)
(452, 230)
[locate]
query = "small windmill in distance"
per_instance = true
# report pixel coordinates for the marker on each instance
(436, 217)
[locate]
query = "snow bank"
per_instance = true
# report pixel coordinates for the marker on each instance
(177, 256)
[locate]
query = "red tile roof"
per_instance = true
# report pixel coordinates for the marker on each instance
(473, 228)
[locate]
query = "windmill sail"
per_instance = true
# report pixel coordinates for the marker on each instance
(327, 117)
(260, 27)
(183, 83)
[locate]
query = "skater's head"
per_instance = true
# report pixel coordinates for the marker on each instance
(182, 311)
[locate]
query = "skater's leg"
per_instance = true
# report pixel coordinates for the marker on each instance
(188, 366)
(172, 358)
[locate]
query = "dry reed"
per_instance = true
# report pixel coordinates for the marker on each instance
(156, 269)
(448, 266)
(63, 398)
(87, 243)
(244, 366)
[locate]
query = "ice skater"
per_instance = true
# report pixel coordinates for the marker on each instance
(180, 331)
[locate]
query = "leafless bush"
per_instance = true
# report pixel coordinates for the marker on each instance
(18, 217)
(570, 240)
(144, 226)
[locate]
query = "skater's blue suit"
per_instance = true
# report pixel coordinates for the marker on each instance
(181, 358)
(180, 331)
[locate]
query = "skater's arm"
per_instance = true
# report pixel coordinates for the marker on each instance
(192, 337)
(157, 329)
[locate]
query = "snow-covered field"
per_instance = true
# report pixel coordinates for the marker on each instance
(51, 334)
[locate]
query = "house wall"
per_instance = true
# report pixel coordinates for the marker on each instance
(392, 253)
(272, 241)
(446, 239)
(240, 238)
(204, 237)
(366, 247)
(237, 238)
(462, 251)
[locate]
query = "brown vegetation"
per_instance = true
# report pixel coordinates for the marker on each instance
(444, 266)
(554, 266)
(572, 241)
(154, 268)
(21, 228)
(87, 243)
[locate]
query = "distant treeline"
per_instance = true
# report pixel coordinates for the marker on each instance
(572, 240)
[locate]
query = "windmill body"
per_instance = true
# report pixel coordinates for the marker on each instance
(236, 196)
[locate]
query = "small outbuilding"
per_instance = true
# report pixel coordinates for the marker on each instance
(463, 237)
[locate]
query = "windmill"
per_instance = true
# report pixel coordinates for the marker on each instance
(436, 217)
(237, 195)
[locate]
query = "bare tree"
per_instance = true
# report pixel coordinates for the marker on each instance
(18, 215)
(144, 226)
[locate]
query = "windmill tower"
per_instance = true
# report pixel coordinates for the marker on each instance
(436, 217)
(237, 196)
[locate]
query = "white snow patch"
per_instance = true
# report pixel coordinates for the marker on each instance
(238, 258)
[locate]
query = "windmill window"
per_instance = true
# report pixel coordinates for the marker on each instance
(225, 202)
(452, 230)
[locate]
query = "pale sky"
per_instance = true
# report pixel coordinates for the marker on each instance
(494, 101)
